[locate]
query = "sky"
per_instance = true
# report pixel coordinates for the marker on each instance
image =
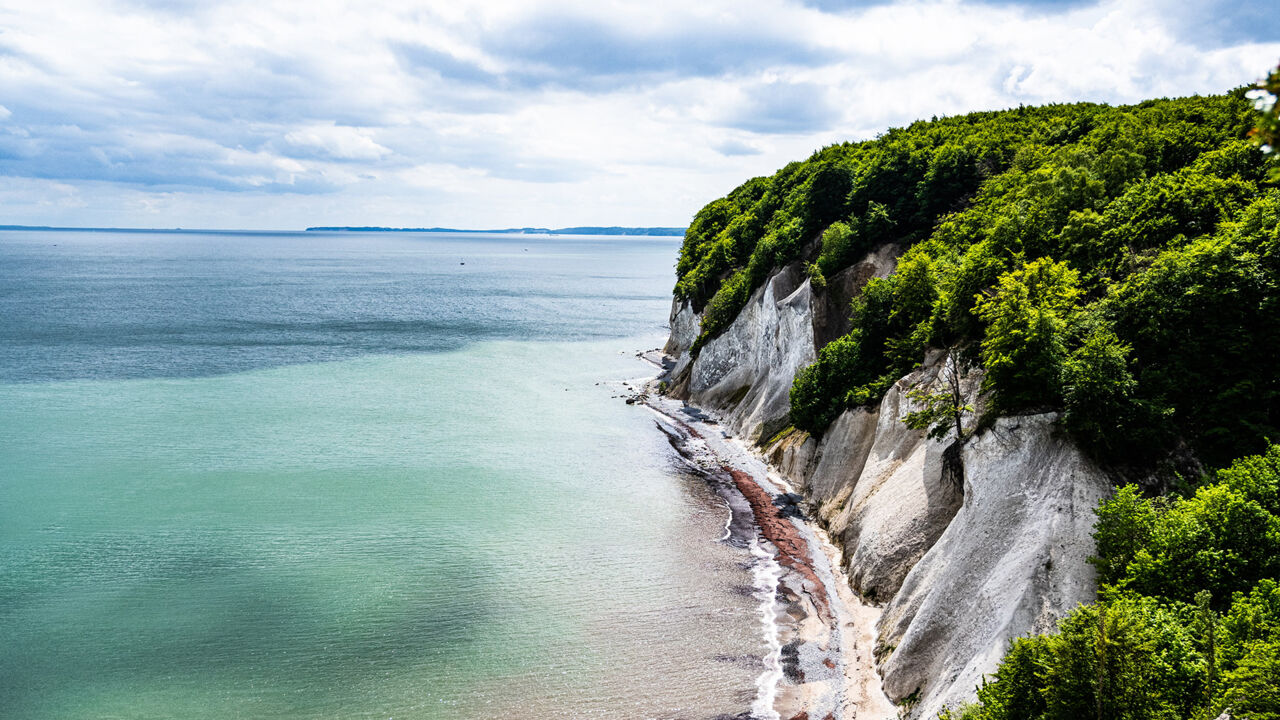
(282, 115)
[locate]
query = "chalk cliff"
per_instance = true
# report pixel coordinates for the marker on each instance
(961, 561)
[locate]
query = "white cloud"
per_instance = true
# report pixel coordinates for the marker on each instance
(271, 114)
(337, 142)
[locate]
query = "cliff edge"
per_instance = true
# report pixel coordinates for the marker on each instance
(961, 562)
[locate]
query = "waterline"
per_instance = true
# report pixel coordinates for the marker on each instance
(766, 572)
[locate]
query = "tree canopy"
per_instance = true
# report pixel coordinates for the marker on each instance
(1120, 264)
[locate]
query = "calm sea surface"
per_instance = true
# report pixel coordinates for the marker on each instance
(255, 475)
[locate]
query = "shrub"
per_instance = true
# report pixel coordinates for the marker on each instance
(1224, 539)
(724, 306)
(1099, 392)
(1128, 657)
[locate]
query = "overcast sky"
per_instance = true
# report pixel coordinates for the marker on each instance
(280, 115)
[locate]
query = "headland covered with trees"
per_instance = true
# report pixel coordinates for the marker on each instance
(1119, 265)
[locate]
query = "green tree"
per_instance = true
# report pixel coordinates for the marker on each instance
(1126, 658)
(1024, 349)
(1253, 687)
(1200, 322)
(1099, 392)
(942, 410)
(1126, 522)
(1223, 539)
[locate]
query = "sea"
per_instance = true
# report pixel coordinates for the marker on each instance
(352, 475)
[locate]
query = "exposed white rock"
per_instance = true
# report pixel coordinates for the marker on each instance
(880, 488)
(746, 371)
(897, 506)
(685, 324)
(1011, 562)
(961, 570)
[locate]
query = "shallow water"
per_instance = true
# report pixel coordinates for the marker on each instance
(275, 476)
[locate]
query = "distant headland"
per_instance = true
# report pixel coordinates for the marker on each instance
(586, 230)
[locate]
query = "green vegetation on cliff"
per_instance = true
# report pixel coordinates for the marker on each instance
(1187, 623)
(1121, 264)
(1188, 619)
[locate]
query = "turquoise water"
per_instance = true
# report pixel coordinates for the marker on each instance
(359, 511)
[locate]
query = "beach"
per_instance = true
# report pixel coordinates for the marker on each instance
(820, 634)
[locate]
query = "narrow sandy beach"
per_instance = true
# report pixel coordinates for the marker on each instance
(819, 633)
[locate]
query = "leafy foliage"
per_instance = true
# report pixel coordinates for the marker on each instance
(1119, 264)
(1188, 623)
(890, 327)
(1200, 319)
(1099, 391)
(1024, 349)
(1126, 657)
(1225, 538)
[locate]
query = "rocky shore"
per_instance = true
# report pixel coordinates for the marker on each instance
(962, 546)
(821, 662)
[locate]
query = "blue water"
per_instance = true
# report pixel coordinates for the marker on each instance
(112, 305)
(345, 475)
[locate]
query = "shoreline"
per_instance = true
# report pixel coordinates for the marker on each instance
(820, 634)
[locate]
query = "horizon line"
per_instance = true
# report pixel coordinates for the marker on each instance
(580, 229)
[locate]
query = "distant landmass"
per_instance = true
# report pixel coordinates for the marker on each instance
(586, 230)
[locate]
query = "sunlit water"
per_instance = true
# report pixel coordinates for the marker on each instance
(347, 476)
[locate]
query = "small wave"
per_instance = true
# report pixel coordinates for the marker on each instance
(766, 572)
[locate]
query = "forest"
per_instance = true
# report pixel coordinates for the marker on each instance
(1117, 265)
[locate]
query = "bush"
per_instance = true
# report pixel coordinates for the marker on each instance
(1224, 539)
(890, 330)
(1099, 393)
(1126, 522)
(1253, 687)
(1128, 657)
(817, 395)
(724, 306)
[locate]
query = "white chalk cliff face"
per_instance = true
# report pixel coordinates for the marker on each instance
(961, 566)
(746, 372)
(1012, 561)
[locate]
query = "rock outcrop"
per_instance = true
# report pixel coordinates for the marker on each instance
(962, 562)
(1012, 561)
(745, 373)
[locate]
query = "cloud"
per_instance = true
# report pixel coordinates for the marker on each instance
(1222, 23)
(732, 148)
(335, 142)
(162, 160)
(590, 49)
(578, 50)
(417, 56)
(1032, 6)
(782, 106)
(564, 112)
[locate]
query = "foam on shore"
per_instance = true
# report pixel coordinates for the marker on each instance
(819, 661)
